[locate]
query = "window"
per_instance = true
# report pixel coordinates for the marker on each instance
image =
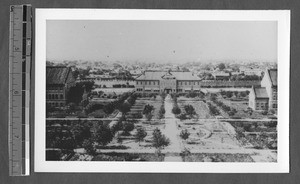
(149, 82)
(189, 83)
(61, 96)
(185, 83)
(145, 82)
(275, 106)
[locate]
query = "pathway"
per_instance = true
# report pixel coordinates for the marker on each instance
(171, 131)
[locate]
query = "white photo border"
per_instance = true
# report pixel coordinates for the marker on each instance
(283, 22)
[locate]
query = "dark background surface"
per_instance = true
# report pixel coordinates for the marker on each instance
(64, 178)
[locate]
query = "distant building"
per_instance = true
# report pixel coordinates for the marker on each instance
(265, 97)
(169, 82)
(221, 76)
(59, 79)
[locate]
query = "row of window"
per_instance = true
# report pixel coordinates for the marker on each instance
(189, 83)
(55, 96)
(156, 90)
(262, 105)
(147, 82)
(56, 104)
(157, 83)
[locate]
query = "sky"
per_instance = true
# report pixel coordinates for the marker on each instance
(160, 41)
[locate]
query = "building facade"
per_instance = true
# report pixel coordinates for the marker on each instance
(59, 79)
(258, 98)
(269, 81)
(265, 97)
(169, 82)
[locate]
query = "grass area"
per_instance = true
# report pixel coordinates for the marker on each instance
(241, 107)
(129, 157)
(200, 107)
(217, 157)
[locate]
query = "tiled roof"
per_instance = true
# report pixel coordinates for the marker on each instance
(273, 76)
(260, 92)
(57, 74)
(153, 75)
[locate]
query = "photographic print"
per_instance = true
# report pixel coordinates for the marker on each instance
(178, 90)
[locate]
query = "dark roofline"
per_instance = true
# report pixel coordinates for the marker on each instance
(269, 75)
(253, 88)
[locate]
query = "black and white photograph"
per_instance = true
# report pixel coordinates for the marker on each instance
(173, 89)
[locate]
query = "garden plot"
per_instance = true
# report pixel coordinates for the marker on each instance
(207, 135)
(129, 143)
(200, 107)
(217, 157)
(241, 107)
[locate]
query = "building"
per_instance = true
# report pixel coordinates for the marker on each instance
(265, 97)
(59, 79)
(169, 82)
(269, 81)
(258, 98)
(221, 76)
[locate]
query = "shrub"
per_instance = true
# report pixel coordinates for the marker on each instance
(148, 109)
(104, 134)
(140, 134)
(149, 116)
(182, 117)
(189, 109)
(88, 145)
(265, 112)
(176, 109)
(184, 134)
(159, 140)
(128, 127)
(109, 108)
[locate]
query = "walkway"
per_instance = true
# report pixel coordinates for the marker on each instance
(171, 131)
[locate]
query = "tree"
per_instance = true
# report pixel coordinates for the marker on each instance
(109, 108)
(148, 109)
(159, 140)
(161, 112)
(189, 109)
(228, 94)
(184, 134)
(104, 135)
(221, 66)
(124, 108)
(149, 116)
(80, 133)
(140, 134)
(89, 147)
(128, 127)
(176, 109)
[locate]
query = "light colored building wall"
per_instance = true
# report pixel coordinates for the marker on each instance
(272, 91)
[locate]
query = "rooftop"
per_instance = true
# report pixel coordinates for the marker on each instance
(273, 76)
(260, 92)
(57, 74)
(158, 75)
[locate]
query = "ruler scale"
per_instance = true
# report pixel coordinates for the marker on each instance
(19, 88)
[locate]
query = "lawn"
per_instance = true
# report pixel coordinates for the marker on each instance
(199, 106)
(217, 157)
(129, 157)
